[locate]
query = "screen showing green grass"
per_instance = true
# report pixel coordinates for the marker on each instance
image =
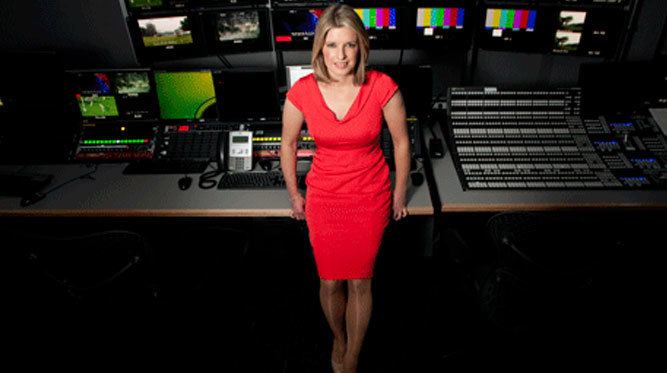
(145, 3)
(165, 31)
(98, 106)
(186, 94)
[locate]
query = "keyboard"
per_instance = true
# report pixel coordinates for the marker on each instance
(257, 180)
(18, 184)
(166, 166)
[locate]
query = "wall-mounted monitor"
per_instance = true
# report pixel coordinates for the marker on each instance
(295, 28)
(383, 25)
(146, 6)
(167, 36)
(248, 95)
(186, 95)
(445, 27)
(113, 94)
(590, 32)
(515, 29)
(241, 30)
(415, 83)
(224, 3)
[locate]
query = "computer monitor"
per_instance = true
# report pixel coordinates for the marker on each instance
(415, 83)
(445, 27)
(383, 25)
(186, 95)
(112, 94)
(296, 72)
(35, 125)
(240, 30)
(248, 95)
(516, 29)
(167, 36)
(295, 28)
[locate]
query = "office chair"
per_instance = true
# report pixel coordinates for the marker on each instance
(99, 268)
(544, 269)
(200, 264)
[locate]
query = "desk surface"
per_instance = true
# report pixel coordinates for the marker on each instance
(455, 199)
(112, 194)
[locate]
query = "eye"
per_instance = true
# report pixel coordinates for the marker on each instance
(331, 45)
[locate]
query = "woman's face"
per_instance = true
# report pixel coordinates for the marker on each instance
(340, 52)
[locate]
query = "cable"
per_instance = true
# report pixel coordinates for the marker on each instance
(206, 179)
(87, 175)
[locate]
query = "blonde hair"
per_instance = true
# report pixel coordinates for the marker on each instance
(335, 16)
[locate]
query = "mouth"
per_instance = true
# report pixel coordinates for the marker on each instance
(341, 65)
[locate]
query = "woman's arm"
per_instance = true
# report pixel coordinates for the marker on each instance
(292, 123)
(394, 115)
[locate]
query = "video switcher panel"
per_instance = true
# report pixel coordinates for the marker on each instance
(538, 140)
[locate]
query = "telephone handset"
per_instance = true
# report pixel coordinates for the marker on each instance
(235, 151)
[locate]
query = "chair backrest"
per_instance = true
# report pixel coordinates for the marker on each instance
(105, 267)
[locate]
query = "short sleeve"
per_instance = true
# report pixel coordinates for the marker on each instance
(385, 87)
(296, 94)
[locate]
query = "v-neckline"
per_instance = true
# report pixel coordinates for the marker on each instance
(333, 114)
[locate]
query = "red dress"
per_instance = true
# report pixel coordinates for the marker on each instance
(348, 199)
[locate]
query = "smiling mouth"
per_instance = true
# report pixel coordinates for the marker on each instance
(341, 65)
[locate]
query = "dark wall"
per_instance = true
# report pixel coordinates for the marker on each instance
(93, 33)
(88, 32)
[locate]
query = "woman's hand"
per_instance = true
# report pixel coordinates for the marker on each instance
(298, 207)
(399, 207)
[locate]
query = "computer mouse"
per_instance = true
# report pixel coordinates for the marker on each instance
(184, 182)
(33, 198)
(417, 178)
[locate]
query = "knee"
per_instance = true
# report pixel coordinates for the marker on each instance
(359, 287)
(331, 286)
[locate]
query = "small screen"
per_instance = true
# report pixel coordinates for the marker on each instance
(382, 25)
(520, 30)
(94, 95)
(149, 5)
(237, 30)
(238, 25)
(569, 31)
(125, 94)
(514, 19)
(295, 26)
(248, 95)
(239, 139)
(186, 94)
(297, 72)
(166, 31)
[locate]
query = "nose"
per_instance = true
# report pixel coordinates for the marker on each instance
(340, 53)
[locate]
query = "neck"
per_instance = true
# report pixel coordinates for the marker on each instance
(341, 81)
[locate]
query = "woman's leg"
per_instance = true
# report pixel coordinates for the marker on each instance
(358, 314)
(333, 301)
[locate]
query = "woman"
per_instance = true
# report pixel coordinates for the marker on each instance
(348, 200)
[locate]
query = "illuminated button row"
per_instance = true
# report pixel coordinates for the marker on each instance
(104, 142)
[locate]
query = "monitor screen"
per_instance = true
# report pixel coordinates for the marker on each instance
(104, 94)
(521, 30)
(166, 32)
(415, 83)
(248, 95)
(595, 32)
(139, 6)
(295, 28)
(186, 94)
(238, 30)
(296, 72)
(446, 26)
(382, 25)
